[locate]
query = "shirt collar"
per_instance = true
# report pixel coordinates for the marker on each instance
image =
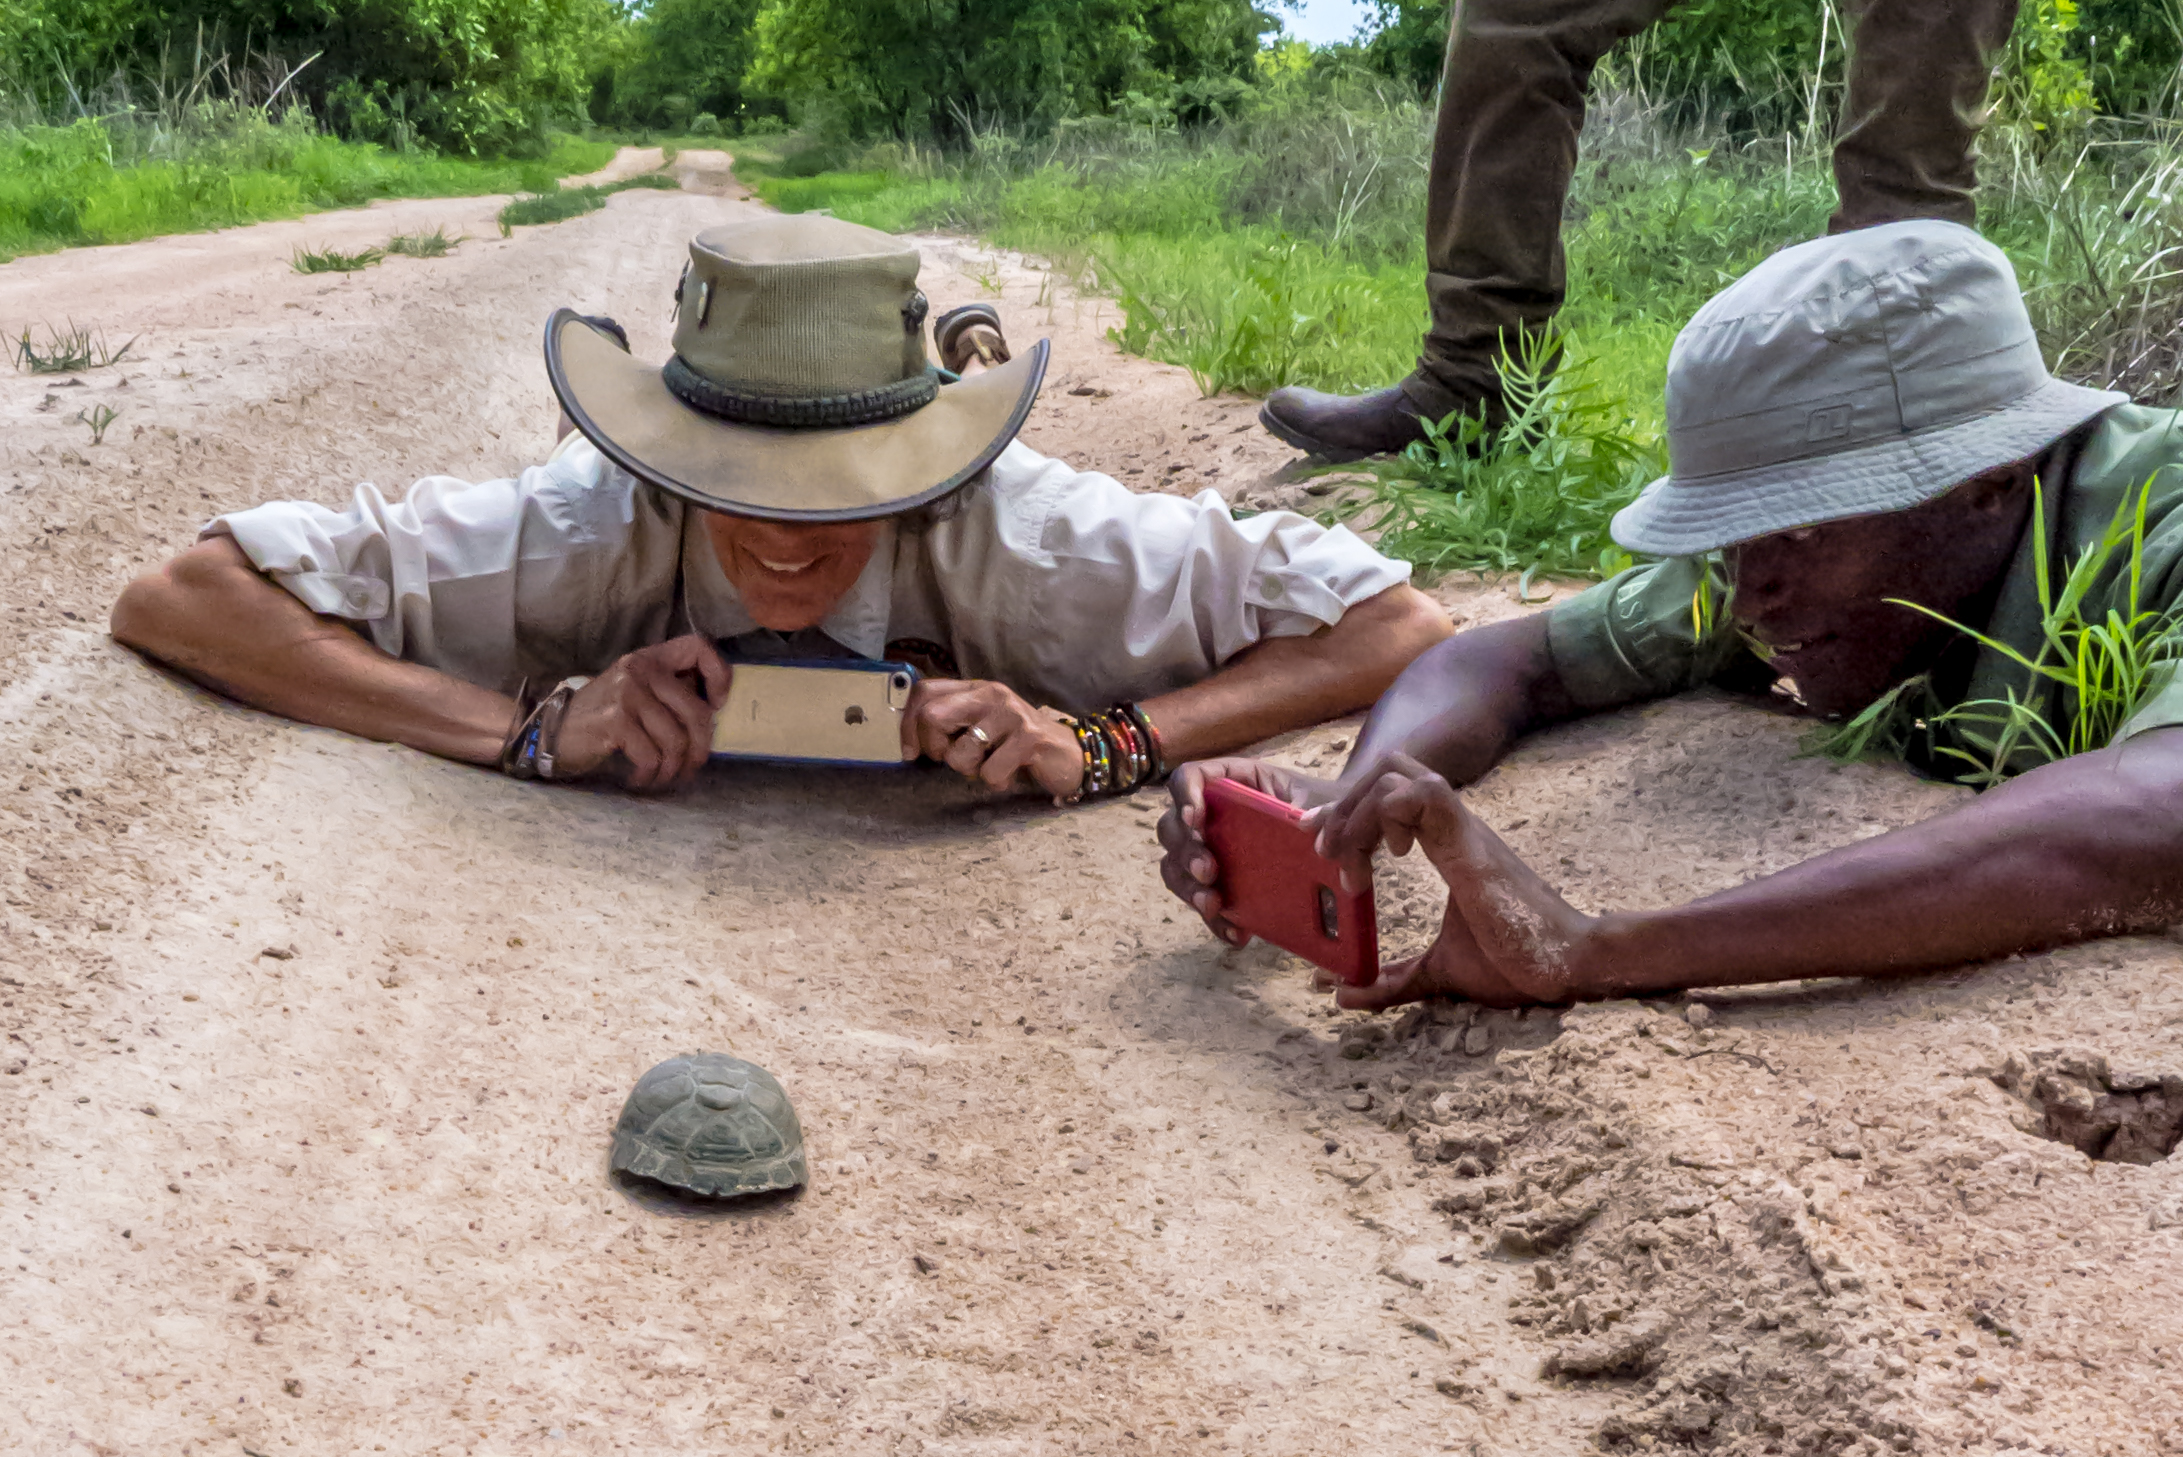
(858, 622)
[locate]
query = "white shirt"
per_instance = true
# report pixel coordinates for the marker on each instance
(1062, 584)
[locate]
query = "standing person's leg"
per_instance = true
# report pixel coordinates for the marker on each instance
(1918, 77)
(1504, 148)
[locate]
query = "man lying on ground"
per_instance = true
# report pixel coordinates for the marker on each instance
(796, 480)
(1857, 420)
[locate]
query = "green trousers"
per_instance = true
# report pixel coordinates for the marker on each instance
(1505, 146)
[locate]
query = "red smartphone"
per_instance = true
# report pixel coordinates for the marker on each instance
(1274, 885)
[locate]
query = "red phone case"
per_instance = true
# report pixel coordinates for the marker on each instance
(1274, 885)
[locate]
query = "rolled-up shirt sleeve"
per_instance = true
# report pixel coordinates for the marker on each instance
(553, 572)
(1646, 633)
(1074, 589)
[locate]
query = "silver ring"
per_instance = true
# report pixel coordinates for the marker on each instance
(984, 739)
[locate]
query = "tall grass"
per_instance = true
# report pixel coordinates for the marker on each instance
(1283, 247)
(212, 147)
(2091, 671)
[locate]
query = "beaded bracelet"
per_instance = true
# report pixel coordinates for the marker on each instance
(1121, 748)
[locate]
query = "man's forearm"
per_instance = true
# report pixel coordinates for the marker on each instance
(209, 615)
(1458, 708)
(2086, 847)
(1288, 682)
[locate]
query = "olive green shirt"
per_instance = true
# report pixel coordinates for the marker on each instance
(1665, 627)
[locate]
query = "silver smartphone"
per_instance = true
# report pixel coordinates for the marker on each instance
(823, 711)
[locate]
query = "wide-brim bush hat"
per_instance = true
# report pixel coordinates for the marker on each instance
(1866, 372)
(798, 389)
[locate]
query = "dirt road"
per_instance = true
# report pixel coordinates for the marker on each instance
(313, 1045)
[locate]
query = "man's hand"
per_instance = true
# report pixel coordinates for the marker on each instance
(983, 731)
(1188, 866)
(1507, 939)
(655, 708)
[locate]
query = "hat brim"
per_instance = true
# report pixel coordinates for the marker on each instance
(1678, 517)
(855, 473)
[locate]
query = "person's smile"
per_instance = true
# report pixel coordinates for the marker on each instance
(785, 569)
(790, 575)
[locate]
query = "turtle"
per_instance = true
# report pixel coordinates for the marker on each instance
(713, 1125)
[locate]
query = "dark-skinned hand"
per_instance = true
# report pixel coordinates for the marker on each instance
(1187, 866)
(1507, 940)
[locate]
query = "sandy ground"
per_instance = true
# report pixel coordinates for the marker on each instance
(313, 1045)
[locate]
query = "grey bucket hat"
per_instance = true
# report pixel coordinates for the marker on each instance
(1866, 372)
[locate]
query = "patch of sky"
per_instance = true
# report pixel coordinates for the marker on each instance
(1324, 22)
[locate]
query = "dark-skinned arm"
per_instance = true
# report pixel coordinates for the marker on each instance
(2089, 846)
(1463, 705)
(1458, 707)
(1286, 682)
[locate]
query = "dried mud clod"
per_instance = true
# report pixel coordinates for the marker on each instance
(2075, 1096)
(1680, 1274)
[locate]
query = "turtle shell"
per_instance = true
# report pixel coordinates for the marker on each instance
(712, 1124)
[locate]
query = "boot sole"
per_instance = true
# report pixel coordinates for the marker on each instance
(1288, 434)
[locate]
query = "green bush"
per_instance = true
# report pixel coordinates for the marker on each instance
(475, 77)
(65, 186)
(914, 68)
(684, 59)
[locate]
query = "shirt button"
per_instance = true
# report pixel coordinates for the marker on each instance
(1270, 588)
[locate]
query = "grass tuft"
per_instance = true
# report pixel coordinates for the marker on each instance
(1535, 495)
(329, 260)
(67, 351)
(569, 202)
(2093, 672)
(435, 244)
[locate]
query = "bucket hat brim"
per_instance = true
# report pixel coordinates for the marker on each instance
(851, 473)
(1688, 517)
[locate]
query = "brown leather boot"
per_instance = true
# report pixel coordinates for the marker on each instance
(1342, 427)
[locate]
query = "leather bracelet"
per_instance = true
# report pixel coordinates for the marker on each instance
(550, 714)
(529, 749)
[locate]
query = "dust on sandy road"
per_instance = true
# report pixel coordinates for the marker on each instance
(314, 1044)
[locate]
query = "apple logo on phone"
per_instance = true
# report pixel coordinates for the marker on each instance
(854, 713)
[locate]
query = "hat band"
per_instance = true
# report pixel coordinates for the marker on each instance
(807, 412)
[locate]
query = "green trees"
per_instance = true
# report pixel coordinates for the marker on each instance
(479, 77)
(916, 69)
(684, 59)
(1750, 63)
(468, 76)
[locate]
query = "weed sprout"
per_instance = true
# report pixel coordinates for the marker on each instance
(67, 351)
(97, 418)
(329, 260)
(435, 244)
